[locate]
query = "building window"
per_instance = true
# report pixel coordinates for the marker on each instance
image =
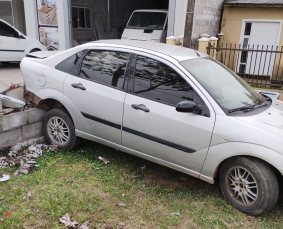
(6, 11)
(81, 18)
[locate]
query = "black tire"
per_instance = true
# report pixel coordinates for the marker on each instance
(48, 129)
(257, 197)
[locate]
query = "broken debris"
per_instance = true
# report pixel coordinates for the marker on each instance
(4, 178)
(11, 102)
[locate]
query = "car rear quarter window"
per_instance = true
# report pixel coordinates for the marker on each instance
(157, 81)
(105, 67)
(6, 30)
(67, 64)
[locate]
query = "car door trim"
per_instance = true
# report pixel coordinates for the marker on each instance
(140, 134)
(10, 50)
(103, 121)
(158, 140)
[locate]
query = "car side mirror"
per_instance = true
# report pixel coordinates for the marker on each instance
(16, 34)
(188, 107)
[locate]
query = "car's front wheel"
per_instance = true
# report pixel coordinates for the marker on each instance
(249, 184)
(59, 129)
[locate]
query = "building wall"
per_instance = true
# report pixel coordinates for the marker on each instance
(207, 17)
(234, 16)
(84, 34)
(232, 24)
(119, 13)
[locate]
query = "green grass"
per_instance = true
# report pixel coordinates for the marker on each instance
(68, 182)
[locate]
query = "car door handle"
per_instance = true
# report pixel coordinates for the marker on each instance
(140, 107)
(79, 86)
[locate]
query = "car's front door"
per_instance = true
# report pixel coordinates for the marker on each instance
(11, 47)
(98, 92)
(151, 124)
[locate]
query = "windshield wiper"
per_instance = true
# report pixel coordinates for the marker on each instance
(245, 109)
(250, 107)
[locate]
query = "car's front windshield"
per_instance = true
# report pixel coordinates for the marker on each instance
(225, 86)
(150, 20)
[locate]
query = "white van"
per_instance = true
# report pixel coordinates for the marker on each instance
(147, 25)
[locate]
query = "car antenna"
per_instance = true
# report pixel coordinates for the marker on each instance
(197, 53)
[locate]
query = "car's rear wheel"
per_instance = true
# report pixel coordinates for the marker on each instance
(59, 129)
(249, 184)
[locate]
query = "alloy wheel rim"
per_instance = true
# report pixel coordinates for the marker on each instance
(242, 186)
(58, 131)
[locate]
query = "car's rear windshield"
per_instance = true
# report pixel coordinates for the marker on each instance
(150, 20)
(226, 87)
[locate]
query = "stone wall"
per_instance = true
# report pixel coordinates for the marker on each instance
(20, 126)
(207, 17)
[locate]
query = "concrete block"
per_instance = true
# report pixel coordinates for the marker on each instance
(35, 115)
(10, 138)
(32, 131)
(14, 120)
(17, 93)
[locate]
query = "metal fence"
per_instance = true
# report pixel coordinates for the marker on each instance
(260, 66)
(194, 44)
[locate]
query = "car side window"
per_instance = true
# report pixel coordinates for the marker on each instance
(105, 67)
(157, 81)
(67, 64)
(6, 30)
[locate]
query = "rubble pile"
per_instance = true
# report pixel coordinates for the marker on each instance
(25, 161)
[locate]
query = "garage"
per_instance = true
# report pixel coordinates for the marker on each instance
(106, 19)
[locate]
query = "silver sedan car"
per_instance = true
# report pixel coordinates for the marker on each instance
(171, 105)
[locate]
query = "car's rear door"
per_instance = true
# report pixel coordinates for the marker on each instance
(97, 91)
(151, 124)
(11, 47)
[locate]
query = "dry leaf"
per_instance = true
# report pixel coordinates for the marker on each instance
(175, 213)
(25, 161)
(84, 225)
(66, 220)
(121, 204)
(104, 160)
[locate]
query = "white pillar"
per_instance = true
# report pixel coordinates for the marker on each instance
(64, 27)
(31, 18)
(176, 17)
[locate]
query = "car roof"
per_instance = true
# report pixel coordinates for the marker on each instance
(174, 51)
